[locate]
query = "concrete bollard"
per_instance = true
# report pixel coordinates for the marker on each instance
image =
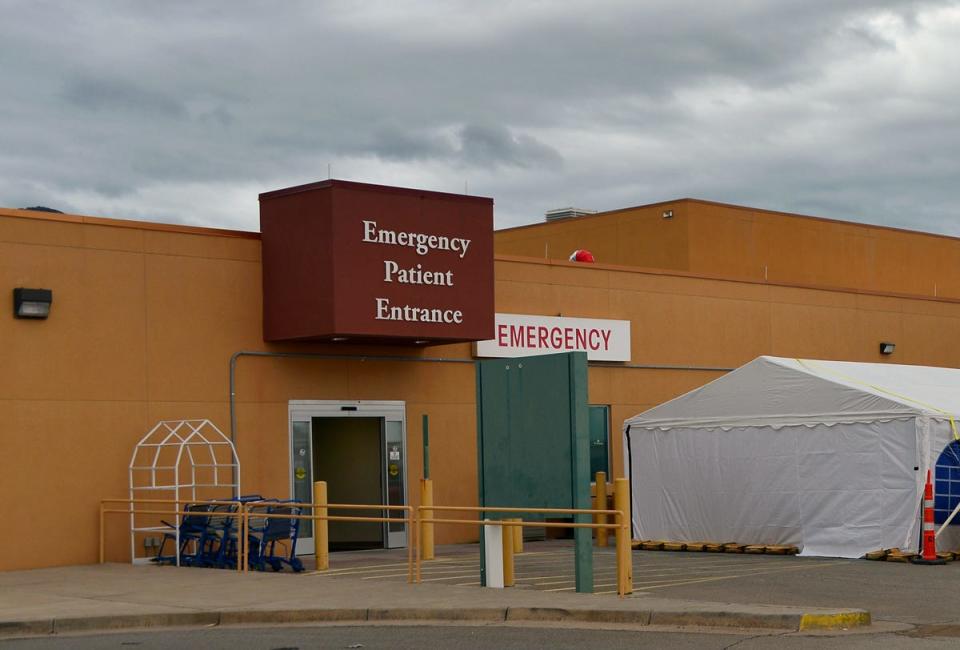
(493, 553)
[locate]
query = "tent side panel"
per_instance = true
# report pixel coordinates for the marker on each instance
(839, 490)
(715, 485)
(858, 486)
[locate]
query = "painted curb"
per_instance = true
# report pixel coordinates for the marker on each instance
(836, 621)
(794, 620)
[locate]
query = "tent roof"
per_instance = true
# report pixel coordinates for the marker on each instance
(779, 391)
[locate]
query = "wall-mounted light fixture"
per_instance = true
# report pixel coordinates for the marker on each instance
(887, 348)
(667, 214)
(32, 303)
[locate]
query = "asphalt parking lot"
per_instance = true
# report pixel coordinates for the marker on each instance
(891, 591)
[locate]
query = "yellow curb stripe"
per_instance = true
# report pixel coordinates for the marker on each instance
(838, 621)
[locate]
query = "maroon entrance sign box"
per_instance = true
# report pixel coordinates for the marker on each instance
(344, 260)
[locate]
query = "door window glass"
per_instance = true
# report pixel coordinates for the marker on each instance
(302, 471)
(395, 478)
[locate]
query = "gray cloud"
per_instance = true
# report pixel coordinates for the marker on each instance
(493, 145)
(118, 95)
(184, 111)
(396, 143)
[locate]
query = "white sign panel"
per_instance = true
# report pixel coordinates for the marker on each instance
(518, 335)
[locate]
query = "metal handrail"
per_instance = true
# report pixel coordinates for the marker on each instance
(619, 525)
(413, 519)
(408, 520)
(241, 539)
(547, 511)
(243, 513)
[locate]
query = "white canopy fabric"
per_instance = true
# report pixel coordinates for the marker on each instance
(829, 456)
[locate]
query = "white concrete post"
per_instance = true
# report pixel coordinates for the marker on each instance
(493, 553)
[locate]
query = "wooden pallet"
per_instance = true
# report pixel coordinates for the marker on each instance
(896, 555)
(714, 547)
(780, 549)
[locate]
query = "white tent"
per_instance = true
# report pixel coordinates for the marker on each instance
(829, 456)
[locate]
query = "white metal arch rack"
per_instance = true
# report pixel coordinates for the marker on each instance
(187, 460)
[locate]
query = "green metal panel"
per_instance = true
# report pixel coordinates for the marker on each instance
(580, 463)
(599, 440)
(426, 446)
(533, 439)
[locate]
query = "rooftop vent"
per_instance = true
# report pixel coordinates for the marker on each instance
(41, 208)
(566, 213)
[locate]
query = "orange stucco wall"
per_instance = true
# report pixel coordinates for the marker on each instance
(714, 239)
(145, 320)
(143, 326)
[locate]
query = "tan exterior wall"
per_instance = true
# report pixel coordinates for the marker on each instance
(638, 237)
(143, 326)
(702, 323)
(713, 239)
(145, 320)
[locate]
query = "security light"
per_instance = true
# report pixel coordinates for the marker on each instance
(667, 214)
(32, 303)
(887, 348)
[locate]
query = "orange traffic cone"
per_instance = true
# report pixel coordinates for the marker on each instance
(929, 555)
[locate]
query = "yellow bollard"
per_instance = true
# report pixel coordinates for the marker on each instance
(517, 537)
(321, 527)
(419, 543)
(426, 529)
(600, 493)
(621, 502)
(506, 533)
(101, 531)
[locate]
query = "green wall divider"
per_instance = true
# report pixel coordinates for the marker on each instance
(533, 442)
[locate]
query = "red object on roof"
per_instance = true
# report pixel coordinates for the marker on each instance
(581, 255)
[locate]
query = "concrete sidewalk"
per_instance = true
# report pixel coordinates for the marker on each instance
(121, 596)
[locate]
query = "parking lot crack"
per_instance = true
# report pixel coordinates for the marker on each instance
(755, 636)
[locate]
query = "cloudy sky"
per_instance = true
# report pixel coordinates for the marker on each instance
(184, 111)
